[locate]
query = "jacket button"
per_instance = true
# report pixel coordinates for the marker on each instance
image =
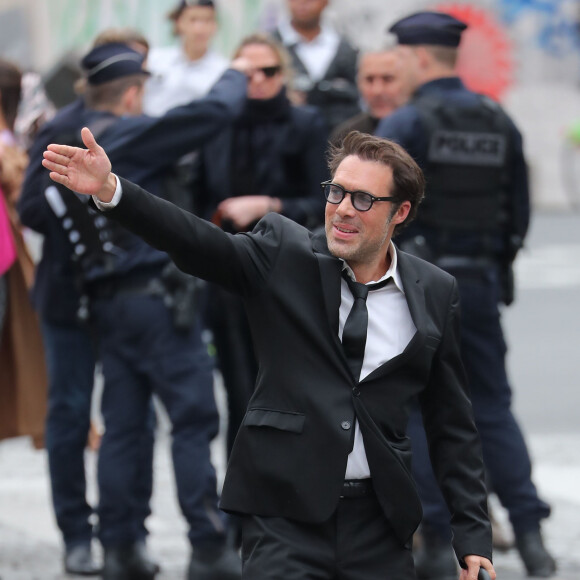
(356, 391)
(345, 425)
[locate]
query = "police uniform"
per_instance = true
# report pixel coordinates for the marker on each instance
(70, 356)
(472, 222)
(142, 346)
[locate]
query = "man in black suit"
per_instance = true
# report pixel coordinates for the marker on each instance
(320, 469)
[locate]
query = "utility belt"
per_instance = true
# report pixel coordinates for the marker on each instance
(179, 291)
(475, 266)
(141, 284)
(470, 263)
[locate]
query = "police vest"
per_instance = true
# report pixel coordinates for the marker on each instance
(466, 166)
(95, 241)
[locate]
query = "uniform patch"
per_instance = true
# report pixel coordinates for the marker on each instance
(467, 148)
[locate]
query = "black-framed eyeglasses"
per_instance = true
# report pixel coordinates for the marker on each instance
(268, 71)
(361, 200)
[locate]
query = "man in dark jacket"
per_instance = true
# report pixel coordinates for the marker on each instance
(70, 355)
(384, 87)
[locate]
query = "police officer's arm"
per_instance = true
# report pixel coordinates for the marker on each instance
(405, 127)
(32, 206)
(160, 141)
(519, 187)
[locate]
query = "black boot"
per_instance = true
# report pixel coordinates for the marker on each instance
(215, 563)
(435, 559)
(129, 562)
(536, 558)
(79, 560)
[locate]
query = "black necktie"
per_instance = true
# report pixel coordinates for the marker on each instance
(354, 334)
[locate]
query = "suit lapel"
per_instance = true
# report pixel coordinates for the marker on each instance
(330, 271)
(415, 295)
(330, 276)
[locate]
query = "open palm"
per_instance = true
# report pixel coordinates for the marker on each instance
(82, 170)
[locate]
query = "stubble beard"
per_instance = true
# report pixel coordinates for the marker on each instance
(362, 253)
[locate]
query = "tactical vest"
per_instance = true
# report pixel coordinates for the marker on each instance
(466, 166)
(95, 241)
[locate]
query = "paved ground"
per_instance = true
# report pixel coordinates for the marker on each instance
(29, 543)
(542, 331)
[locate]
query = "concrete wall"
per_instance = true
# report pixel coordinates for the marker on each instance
(529, 50)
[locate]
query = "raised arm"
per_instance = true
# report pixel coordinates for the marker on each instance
(86, 171)
(239, 263)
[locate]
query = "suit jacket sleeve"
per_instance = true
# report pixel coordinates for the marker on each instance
(241, 263)
(454, 444)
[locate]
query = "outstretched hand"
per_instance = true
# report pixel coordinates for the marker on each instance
(86, 171)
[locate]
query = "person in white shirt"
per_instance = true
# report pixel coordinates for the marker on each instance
(186, 72)
(324, 61)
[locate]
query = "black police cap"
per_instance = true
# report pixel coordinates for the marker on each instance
(434, 28)
(111, 61)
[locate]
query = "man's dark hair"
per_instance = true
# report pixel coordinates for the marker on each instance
(174, 15)
(107, 95)
(408, 179)
(10, 91)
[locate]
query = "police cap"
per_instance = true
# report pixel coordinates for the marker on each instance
(111, 61)
(434, 28)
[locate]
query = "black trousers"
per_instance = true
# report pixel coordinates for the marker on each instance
(356, 543)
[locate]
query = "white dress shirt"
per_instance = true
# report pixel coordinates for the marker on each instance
(316, 54)
(175, 80)
(390, 329)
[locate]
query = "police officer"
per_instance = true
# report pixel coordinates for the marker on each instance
(144, 344)
(70, 358)
(472, 222)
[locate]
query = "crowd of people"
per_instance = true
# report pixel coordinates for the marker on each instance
(299, 125)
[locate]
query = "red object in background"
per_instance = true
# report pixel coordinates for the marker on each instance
(485, 54)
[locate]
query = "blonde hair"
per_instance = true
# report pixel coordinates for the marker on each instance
(266, 40)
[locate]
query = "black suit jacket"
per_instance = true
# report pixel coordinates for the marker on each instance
(290, 455)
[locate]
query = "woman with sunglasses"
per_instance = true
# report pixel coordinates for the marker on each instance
(271, 159)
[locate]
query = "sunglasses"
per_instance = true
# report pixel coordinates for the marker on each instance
(268, 71)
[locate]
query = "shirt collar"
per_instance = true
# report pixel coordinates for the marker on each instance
(392, 272)
(442, 84)
(290, 37)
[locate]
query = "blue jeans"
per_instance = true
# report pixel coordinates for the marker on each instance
(71, 364)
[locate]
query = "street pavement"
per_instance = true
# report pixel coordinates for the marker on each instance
(541, 330)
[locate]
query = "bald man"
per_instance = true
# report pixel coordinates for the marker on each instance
(383, 86)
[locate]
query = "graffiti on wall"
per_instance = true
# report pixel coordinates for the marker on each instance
(555, 23)
(485, 62)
